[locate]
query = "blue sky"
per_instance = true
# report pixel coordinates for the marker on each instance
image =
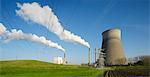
(86, 18)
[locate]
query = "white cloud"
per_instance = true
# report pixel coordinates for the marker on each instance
(45, 17)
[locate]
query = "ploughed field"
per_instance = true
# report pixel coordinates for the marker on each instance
(127, 71)
(33, 68)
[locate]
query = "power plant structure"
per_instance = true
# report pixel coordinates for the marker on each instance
(89, 62)
(65, 60)
(60, 60)
(112, 47)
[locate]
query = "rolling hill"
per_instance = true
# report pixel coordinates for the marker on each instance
(33, 68)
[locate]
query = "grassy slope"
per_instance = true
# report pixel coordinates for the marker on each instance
(32, 68)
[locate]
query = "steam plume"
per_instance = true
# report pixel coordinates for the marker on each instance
(2, 29)
(19, 35)
(45, 17)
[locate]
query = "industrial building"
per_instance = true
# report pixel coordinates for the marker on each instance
(58, 60)
(112, 49)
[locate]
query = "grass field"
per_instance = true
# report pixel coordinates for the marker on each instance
(33, 68)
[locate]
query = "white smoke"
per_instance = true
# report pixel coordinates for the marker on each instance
(19, 35)
(45, 17)
(2, 29)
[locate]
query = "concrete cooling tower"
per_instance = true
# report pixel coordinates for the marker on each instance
(113, 47)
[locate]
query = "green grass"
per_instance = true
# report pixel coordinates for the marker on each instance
(33, 68)
(128, 67)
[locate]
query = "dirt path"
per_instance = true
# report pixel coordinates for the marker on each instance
(128, 72)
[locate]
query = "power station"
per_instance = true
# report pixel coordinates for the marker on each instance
(111, 51)
(112, 47)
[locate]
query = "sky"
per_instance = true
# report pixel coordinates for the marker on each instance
(85, 18)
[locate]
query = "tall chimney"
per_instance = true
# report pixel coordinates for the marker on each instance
(89, 57)
(95, 55)
(113, 47)
(65, 58)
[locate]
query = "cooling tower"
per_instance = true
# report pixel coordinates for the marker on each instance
(113, 47)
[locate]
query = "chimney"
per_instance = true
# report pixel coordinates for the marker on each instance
(65, 58)
(95, 55)
(89, 57)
